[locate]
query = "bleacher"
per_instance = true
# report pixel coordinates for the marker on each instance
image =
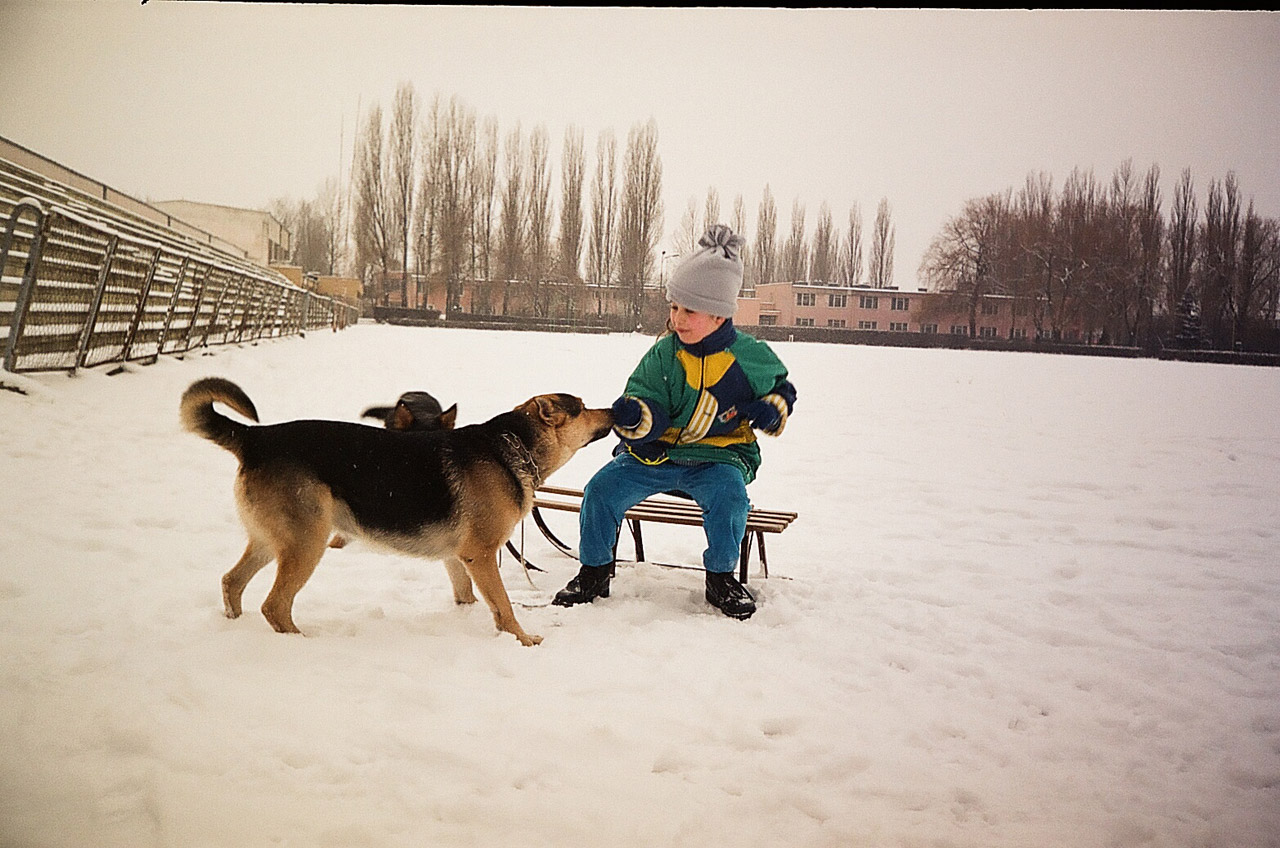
(90, 276)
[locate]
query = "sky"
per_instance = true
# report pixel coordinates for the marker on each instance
(240, 104)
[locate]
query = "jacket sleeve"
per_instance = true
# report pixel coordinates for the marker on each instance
(648, 385)
(768, 378)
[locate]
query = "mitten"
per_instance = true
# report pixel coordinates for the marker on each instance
(637, 421)
(765, 415)
(627, 413)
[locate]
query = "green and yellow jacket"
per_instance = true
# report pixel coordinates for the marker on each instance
(690, 396)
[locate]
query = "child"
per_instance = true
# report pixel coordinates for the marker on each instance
(685, 420)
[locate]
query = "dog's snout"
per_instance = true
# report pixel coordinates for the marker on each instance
(605, 425)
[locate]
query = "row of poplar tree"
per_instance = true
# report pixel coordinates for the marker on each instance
(438, 192)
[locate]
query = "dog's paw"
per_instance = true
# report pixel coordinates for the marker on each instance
(528, 639)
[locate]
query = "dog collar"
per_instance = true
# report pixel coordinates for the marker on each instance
(524, 457)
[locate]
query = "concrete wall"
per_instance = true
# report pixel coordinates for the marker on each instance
(264, 239)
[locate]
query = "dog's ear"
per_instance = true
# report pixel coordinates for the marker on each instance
(545, 408)
(449, 418)
(401, 418)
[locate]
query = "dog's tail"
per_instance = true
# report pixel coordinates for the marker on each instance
(199, 416)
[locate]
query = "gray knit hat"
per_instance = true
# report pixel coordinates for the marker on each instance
(708, 279)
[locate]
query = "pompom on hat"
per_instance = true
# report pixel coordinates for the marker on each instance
(708, 280)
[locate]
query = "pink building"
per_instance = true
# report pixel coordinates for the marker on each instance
(886, 310)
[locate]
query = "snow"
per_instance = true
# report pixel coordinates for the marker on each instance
(1030, 600)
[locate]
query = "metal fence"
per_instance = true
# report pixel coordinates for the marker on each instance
(84, 283)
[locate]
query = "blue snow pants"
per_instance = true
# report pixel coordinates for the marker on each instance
(719, 489)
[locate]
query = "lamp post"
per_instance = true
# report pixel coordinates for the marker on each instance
(662, 269)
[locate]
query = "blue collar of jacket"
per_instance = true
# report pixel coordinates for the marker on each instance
(719, 340)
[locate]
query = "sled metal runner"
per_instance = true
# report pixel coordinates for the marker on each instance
(659, 510)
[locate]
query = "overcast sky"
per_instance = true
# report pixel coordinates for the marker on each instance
(241, 103)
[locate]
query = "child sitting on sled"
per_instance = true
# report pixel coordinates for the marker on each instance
(687, 421)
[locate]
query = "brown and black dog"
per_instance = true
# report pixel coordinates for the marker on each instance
(453, 495)
(414, 411)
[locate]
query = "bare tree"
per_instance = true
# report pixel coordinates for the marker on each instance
(738, 222)
(965, 257)
(640, 223)
(1150, 226)
(1259, 287)
(538, 217)
(372, 216)
(455, 154)
(572, 171)
(402, 141)
(601, 243)
(1219, 254)
(316, 228)
(1034, 279)
(1076, 222)
(1183, 225)
(822, 254)
(765, 252)
(1115, 280)
(850, 256)
(484, 188)
(883, 239)
(795, 253)
(511, 234)
(710, 211)
(687, 234)
(426, 224)
(329, 203)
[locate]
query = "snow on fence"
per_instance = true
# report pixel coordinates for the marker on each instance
(85, 283)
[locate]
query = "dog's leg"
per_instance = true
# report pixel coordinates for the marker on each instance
(294, 567)
(461, 581)
(256, 556)
(482, 565)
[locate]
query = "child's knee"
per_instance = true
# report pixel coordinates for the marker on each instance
(730, 488)
(603, 481)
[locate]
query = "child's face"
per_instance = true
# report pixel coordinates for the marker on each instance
(692, 327)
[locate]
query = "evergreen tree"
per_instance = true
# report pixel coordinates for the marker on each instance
(1188, 333)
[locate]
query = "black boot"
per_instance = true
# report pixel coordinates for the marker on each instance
(726, 594)
(592, 582)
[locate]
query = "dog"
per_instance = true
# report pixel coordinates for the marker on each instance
(414, 411)
(453, 495)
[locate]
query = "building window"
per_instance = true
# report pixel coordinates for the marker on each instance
(804, 322)
(987, 332)
(900, 304)
(866, 325)
(1019, 332)
(928, 328)
(768, 320)
(897, 326)
(990, 309)
(959, 330)
(806, 299)
(867, 301)
(838, 323)
(839, 301)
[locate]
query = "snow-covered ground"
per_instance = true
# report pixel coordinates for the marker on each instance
(1030, 601)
